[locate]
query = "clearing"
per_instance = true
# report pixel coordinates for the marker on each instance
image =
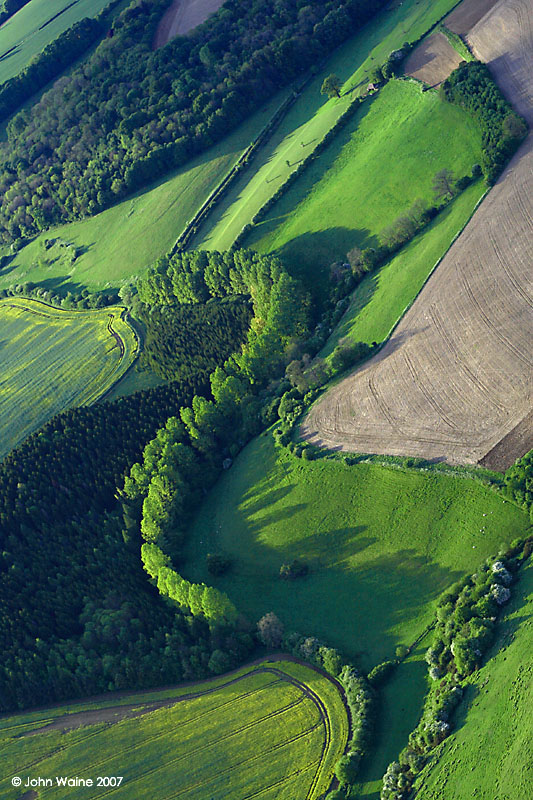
(383, 160)
(490, 754)
(183, 16)
(433, 60)
(381, 543)
(53, 359)
(266, 730)
(311, 117)
(456, 376)
(38, 23)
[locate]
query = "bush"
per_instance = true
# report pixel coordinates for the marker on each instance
(296, 569)
(217, 564)
(381, 672)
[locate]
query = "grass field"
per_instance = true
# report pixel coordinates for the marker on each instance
(382, 298)
(21, 37)
(383, 161)
(311, 116)
(491, 753)
(54, 359)
(274, 729)
(121, 243)
(381, 543)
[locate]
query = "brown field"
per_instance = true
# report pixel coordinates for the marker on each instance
(433, 60)
(455, 381)
(467, 14)
(182, 17)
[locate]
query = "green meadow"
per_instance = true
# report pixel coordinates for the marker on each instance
(312, 116)
(21, 37)
(384, 160)
(382, 298)
(54, 359)
(265, 730)
(490, 753)
(119, 244)
(381, 543)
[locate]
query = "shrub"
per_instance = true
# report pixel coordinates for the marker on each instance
(381, 672)
(217, 564)
(295, 569)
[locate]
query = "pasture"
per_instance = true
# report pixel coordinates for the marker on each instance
(273, 729)
(490, 753)
(311, 117)
(381, 543)
(381, 299)
(54, 359)
(26, 33)
(119, 244)
(455, 378)
(384, 160)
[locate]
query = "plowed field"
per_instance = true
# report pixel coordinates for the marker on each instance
(456, 377)
(433, 60)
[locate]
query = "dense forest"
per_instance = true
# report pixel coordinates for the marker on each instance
(472, 86)
(70, 555)
(129, 114)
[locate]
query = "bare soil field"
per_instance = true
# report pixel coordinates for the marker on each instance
(183, 16)
(456, 377)
(467, 14)
(433, 60)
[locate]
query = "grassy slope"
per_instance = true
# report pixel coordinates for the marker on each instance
(382, 298)
(491, 753)
(53, 360)
(381, 543)
(122, 242)
(311, 117)
(384, 160)
(22, 30)
(206, 740)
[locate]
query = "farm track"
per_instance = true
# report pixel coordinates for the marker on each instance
(455, 380)
(278, 676)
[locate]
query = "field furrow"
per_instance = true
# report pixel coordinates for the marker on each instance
(456, 377)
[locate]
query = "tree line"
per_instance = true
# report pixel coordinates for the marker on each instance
(129, 114)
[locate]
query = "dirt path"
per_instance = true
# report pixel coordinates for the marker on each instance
(457, 375)
(183, 16)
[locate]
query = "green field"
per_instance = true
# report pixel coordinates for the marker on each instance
(54, 359)
(21, 35)
(384, 160)
(381, 543)
(311, 116)
(274, 729)
(490, 755)
(382, 298)
(120, 243)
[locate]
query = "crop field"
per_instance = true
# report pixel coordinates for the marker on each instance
(38, 23)
(54, 359)
(384, 160)
(311, 116)
(381, 544)
(491, 754)
(119, 244)
(273, 730)
(455, 378)
(467, 14)
(433, 60)
(381, 298)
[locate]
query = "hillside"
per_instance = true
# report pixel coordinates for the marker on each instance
(378, 166)
(264, 730)
(54, 359)
(489, 755)
(381, 543)
(459, 360)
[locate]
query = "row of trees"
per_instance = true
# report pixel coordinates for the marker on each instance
(129, 114)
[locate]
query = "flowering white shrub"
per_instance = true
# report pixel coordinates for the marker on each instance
(501, 573)
(500, 593)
